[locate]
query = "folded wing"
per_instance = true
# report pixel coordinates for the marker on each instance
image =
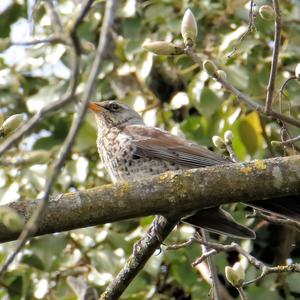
(157, 143)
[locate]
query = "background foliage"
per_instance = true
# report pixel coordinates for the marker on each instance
(172, 93)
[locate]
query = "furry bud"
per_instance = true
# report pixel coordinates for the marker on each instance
(11, 124)
(222, 74)
(210, 67)
(189, 28)
(218, 142)
(162, 48)
(235, 275)
(266, 12)
(228, 137)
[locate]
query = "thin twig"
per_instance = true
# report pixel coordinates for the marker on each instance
(274, 219)
(55, 19)
(83, 12)
(79, 19)
(231, 152)
(265, 135)
(281, 91)
(273, 72)
(289, 149)
(292, 140)
(284, 118)
(144, 249)
(242, 293)
(241, 96)
(216, 248)
(251, 26)
(293, 268)
(55, 39)
(212, 267)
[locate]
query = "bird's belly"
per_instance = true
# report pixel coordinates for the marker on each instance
(123, 165)
(141, 168)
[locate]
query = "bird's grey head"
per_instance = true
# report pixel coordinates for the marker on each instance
(114, 114)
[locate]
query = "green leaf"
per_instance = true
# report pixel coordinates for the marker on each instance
(250, 130)
(47, 248)
(209, 102)
(248, 136)
(33, 261)
(47, 143)
(131, 28)
(86, 137)
(293, 283)
(237, 76)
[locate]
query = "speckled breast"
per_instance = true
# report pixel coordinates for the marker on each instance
(117, 152)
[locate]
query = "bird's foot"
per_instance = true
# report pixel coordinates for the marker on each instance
(152, 232)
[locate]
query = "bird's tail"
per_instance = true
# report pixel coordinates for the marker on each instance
(219, 221)
(287, 207)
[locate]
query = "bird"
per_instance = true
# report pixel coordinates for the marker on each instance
(131, 150)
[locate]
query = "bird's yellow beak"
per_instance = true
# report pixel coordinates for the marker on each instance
(95, 106)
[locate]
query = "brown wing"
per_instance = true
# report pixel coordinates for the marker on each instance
(157, 143)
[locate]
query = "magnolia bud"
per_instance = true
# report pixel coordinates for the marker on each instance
(11, 219)
(276, 143)
(266, 12)
(11, 124)
(218, 142)
(297, 71)
(189, 29)
(222, 74)
(210, 67)
(235, 275)
(87, 47)
(162, 48)
(228, 136)
(36, 157)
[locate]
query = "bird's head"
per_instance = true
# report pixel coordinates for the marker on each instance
(114, 114)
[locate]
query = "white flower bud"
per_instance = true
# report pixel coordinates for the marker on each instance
(189, 28)
(228, 137)
(210, 68)
(222, 74)
(276, 143)
(162, 48)
(11, 124)
(218, 142)
(266, 12)
(87, 47)
(235, 275)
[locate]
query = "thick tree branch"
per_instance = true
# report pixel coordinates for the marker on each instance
(167, 194)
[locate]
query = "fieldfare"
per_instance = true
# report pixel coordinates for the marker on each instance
(131, 150)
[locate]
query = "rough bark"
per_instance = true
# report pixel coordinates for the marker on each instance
(171, 193)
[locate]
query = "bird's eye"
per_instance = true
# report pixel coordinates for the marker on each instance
(114, 106)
